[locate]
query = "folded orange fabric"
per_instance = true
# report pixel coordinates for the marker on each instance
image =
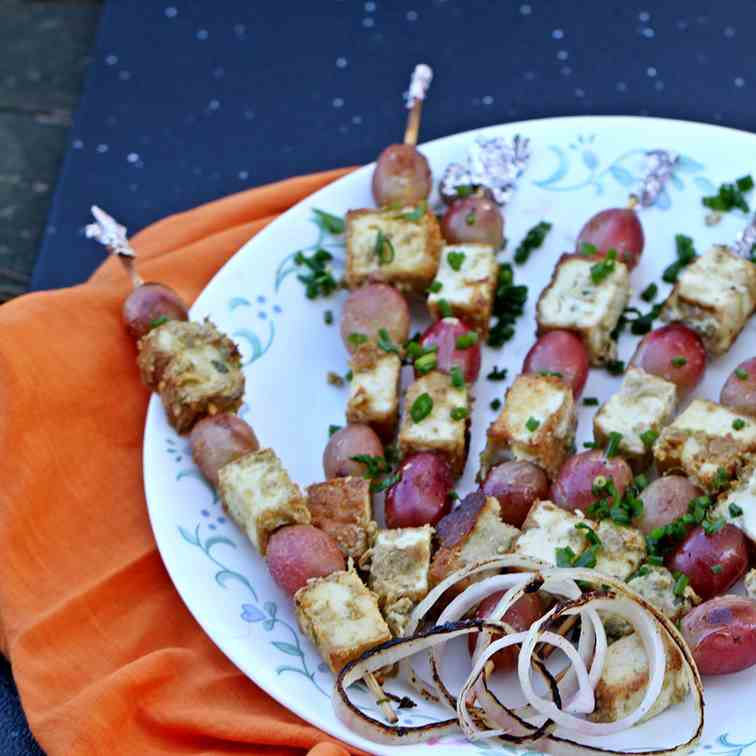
(106, 657)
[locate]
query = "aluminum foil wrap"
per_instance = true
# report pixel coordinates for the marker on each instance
(419, 83)
(746, 239)
(107, 231)
(661, 165)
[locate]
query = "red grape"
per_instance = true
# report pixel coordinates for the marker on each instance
(374, 307)
(148, 305)
(560, 352)
(444, 334)
(402, 176)
(297, 553)
(713, 563)
(346, 443)
(422, 494)
(673, 352)
(473, 220)
(739, 391)
(573, 488)
(665, 500)
(516, 484)
(617, 228)
(219, 439)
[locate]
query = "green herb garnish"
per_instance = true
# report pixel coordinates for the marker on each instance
(716, 568)
(464, 190)
(319, 281)
(459, 413)
(532, 241)
(426, 363)
(470, 218)
(355, 339)
(332, 429)
(738, 424)
(444, 308)
(615, 367)
(328, 317)
(590, 533)
(730, 196)
(678, 361)
(735, 510)
(509, 304)
(421, 407)
(435, 287)
(612, 448)
(328, 222)
(590, 401)
(681, 583)
(457, 378)
(497, 375)
(741, 374)
(455, 260)
(713, 526)
(686, 253)
(416, 214)
(532, 424)
(649, 293)
(385, 343)
(155, 322)
(466, 340)
(603, 269)
(495, 405)
(564, 556)
(384, 249)
(648, 438)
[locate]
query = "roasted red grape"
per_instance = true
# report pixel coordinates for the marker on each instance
(219, 439)
(150, 305)
(721, 634)
(297, 553)
(402, 176)
(372, 308)
(665, 500)
(444, 334)
(617, 228)
(739, 391)
(474, 219)
(713, 563)
(560, 352)
(521, 615)
(573, 488)
(422, 494)
(348, 442)
(516, 484)
(673, 352)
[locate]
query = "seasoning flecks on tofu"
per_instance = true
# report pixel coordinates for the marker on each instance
(657, 586)
(441, 429)
(260, 497)
(574, 301)
(537, 424)
(714, 296)
(399, 564)
(195, 369)
(547, 528)
(342, 507)
(473, 532)
(625, 678)
(706, 441)
(341, 617)
(622, 549)
(385, 245)
(644, 403)
(738, 505)
(374, 389)
(466, 281)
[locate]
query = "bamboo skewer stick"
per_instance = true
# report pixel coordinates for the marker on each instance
(421, 79)
(112, 234)
(380, 698)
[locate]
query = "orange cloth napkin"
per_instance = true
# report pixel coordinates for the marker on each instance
(106, 657)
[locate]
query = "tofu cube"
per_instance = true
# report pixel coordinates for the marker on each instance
(704, 443)
(548, 528)
(738, 505)
(374, 390)
(537, 424)
(439, 431)
(260, 497)
(341, 617)
(623, 549)
(574, 301)
(715, 295)
(408, 257)
(467, 275)
(750, 583)
(624, 680)
(399, 565)
(194, 368)
(342, 507)
(657, 586)
(643, 403)
(473, 532)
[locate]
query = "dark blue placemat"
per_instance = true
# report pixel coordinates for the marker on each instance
(188, 101)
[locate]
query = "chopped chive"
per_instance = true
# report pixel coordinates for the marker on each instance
(532, 424)
(613, 446)
(435, 287)
(681, 583)
(679, 361)
(470, 218)
(329, 222)
(497, 375)
(355, 339)
(455, 260)
(741, 374)
(426, 363)
(457, 378)
(721, 479)
(713, 526)
(416, 214)
(564, 556)
(552, 373)
(649, 293)
(464, 190)
(587, 558)
(640, 481)
(385, 343)
(590, 445)
(590, 401)
(655, 559)
(495, 405)
(716, 568)
(459, 413)
(332, 429)
(348, 376)
(603, 269)
(384, 249)
(649, 438)
(738, 424)
(735, 510)
(466, 340)
(615, 367)
(155, 322)
(444, 308)
(532, 241)
(328, 317)
(590, 533)
(588, 249)
(421, 407)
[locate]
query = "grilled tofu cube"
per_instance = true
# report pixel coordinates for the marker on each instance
(623, 549)
(374, 390)
(548, 528)
(592, 309)
(738, 505)
(399, 564)
(625, 677)
(386, 245)
(715, 295)
(473, 532)
(342, 507)
(260, 497)
(643, 403)
(537, 424)
(194, 368)
(657, 586)
(750, 583)
(439, 431)
(341, 617)
(706, 442)
(467, 275)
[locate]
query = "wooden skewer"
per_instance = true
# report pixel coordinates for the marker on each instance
(112, 234)
(380, 698)
(421, 79)
(632, 201)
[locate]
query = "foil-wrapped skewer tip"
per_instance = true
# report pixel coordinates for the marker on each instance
(746, 239)
(109, 232)
(419, 84)
(661, 164)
